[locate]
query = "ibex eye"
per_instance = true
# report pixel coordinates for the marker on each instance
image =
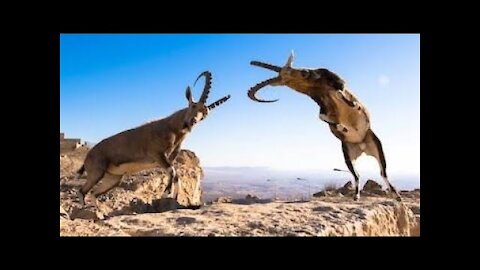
(304, 73)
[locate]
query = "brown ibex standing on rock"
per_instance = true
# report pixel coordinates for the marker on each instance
(348, 119)
(155, 144)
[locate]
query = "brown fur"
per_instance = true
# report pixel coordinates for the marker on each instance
(154, 144)
(347, 117)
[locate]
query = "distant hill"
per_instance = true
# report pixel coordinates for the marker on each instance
(257, 177)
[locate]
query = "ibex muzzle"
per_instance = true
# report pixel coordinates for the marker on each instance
(346, 116)
(155, 144)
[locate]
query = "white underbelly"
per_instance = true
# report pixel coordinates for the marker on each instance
(356, 131)
(130, 167)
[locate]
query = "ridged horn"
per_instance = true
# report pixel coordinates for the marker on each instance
(206, 88)
(218, 102)
(253, 91)
(265, 65)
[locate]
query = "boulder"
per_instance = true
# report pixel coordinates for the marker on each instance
(223, 200)
(372, 187)
(137, 193)
(347, 189)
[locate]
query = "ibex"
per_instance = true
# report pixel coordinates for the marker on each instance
(348, 119)
(155, 144)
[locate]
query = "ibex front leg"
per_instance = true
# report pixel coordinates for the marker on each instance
(176, 179)
(374, 149)
(164, 161)
(329, 120)
(352, 103)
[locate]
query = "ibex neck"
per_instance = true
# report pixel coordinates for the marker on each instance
(318, 97)
(175, 122)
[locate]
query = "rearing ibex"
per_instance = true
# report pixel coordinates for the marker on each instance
(155, 144)
(348, 119)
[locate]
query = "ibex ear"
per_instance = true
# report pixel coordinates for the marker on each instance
(188, 95)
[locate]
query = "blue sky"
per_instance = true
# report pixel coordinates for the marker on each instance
(109, 83)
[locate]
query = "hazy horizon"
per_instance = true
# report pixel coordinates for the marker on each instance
(110, 83)
(237, 182)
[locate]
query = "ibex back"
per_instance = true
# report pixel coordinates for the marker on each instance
(155, 144)
(347, 118)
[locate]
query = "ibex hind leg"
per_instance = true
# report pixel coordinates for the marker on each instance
(374, 148)
(93, 176)
(351, 152)
(108, 182)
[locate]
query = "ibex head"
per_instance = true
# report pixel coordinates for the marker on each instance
(197, 111)
(300, 79)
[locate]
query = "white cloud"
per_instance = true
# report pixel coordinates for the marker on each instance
(383, 80)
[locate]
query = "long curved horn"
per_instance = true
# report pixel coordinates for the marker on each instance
(218, 102)
(206, 88)
(265, 65)
(253, 91)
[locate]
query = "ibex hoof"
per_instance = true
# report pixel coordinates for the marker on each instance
(356, 197)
